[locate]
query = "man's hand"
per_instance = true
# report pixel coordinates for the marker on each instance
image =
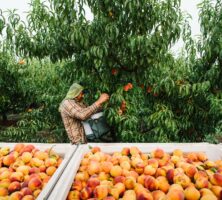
(102, 99)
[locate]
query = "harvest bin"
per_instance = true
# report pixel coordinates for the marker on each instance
(64, 184)
(64, 150)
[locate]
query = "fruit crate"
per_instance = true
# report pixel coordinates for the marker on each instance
(64, 184)
(65, 151)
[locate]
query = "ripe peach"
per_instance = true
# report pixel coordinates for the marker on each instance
(134, 151)
(182, 179)
(80, 176)
(125, 151)
(149, 170)
(120, 187)
(191, 170)
(160, 172)
(28, 197)
(42, 175)
(151, 183)
(133, 174)
(163, 184)
(101, 192)
(125, 165)
(26, 157)
(4, 151)
(170, 175)
(93, 182)
(50, 170)
(95, 149)
(5, 175)
(208, 197)
(26, 191)
(16, 196)
(210, 164)
(5, 183)
(119, 179)
(145, 195)
(176, 187)
(41, 155)
(200, 174)
(175, 194)
(23, 169)
(217, 190)
(114, 192)
(77, 185)
(139, 168)
(86, 193)
(178, 152)
(191, 193)
(93, 167)
(34, 170)
(17, 176)
(129, 194)
(153, 162)
(8, 160)
(201, 156)
(35, 162)
(218, 178)
(14, 186)
(103, 176)
(201, 183)
(192, 157)
(157, 153)
(3, 192)
(130, 182)
(106, 166)
(141, 179)
(109, 198)
(50, 162)
(34, 184)
(116, 170)
(158, 195)
(36, 193)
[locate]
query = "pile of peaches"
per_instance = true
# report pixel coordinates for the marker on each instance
(133, 175)
(25, 171)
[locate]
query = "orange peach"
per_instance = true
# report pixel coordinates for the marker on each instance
(103, 176)
(41, 155)
(190, 171)
(149, 170)
(5, 175)
(151, 183)
(153, 162)
(157, 153)
(36, 193)
(14, 186)
(145, 195)
(192, 157)
(133, 174)
(23, 169)
(50, 170)
(120, 187)
(201, 156)
(93, 167)
(129, 194)
(106, 166)
(86, 193)
(34, 170)
(5, 183)
(163, 184)
(16, 196)
(218, 178)
(116, 170)
(191, 193)
(50, 162)
(200, 174)
(201, 183)
(8, 160)
(182, 179)
(35, 162)
(95, 149)
(176, 187)
(114, 192)
(93, 182)
(158, 195)
(101, 191)
(141, 179)
(130, 182)
(17, 176)
(28, 197)
(27, 148)
(80, 176)
(77, 185)
(208, 197)
(119, 179)
(139, 168)
(178, 152)
(125, 165)
(134, 151)
(175, 194)
(34, 184)
(3, 192)
(160, 172)
(26, 191)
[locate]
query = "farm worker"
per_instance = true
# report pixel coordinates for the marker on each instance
(73, 111)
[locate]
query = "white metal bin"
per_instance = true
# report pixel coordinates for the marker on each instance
(64, 184)
(64, 150)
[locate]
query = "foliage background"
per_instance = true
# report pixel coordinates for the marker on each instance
(171, 99)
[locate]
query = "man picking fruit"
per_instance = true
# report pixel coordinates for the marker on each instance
(73, 111)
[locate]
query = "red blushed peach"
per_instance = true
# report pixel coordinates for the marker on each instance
(170, 175)
(109, 198)
(201, 183)
(93, 167)
(129, 194)
(93, 182)
(116, 170)
(14, 186)
(51, 170)
(26, 191)
(151, 183)
(130, 182)
(200, 174)
(149, 170)
(191, 170)
(27, 148)
(158, 195)
(119, 179)
(25, 184)
(34, 184)
(153, 162)
(163, 184)
(106, 166)
(125, 151)
(139, 168)
(178, 152)
(86, 193)
(192, 157)
(28, 197)
(101, 192)
(134, 174)
(42, 168)
(120, 187)
(26, 157)
(95, 149)
(145, 195)
(218, 178)
(17, 176)
(15, 154)
(182, 180)
(175, 195)
(157, 153)
(162, 162)
(3, 192)
(191, 193)
(34, 170)
(18, 147)
(134, 151)
(77, 185)
(16, 196)
(8, 160)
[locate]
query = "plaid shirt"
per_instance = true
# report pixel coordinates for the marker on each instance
(73, 113)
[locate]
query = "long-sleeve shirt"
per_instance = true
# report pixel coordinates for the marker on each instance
(73, 113)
